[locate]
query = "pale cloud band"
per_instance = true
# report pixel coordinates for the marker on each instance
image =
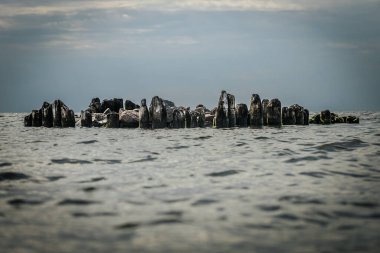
(53, 7)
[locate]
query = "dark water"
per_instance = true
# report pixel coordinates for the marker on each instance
(294, 189)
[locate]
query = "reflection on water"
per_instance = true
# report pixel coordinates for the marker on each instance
(294, 189)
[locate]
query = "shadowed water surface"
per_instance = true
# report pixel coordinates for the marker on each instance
(289, 189)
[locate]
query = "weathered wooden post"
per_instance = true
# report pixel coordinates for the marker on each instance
(255, 112)
(143, 115)
(241, 115)
(274, 113)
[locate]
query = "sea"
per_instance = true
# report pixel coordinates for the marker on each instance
(292, 189)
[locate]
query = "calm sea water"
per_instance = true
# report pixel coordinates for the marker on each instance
(295, 189)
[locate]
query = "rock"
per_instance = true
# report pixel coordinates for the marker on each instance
(241, 115)
(158, 113)
(288, 116)
(178, 118)
(36, 118)
(47, 115)
(129, 105)
(194, 121)
(209, 118)
(99, 120)
(221, 114)
(28, 120)
(315, 119)
(265, 103)
(114, 104)
(107, 111)
(274, 113)
(298, 110)
(57, 115)
(231, 110)
(325, 117)
(143, 115)
(67, 116)
(306, 117)
(95, 106)
(352, 119)
(129, 118)
(85, 119)
(255, 112)
(187, 114)
(168, 103)
(169, 116)
(201, 117)
(112, 120)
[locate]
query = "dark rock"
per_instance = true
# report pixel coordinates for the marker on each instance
(201, 116)
(129, 105)
(325, 117)
(274, 112)
(36, 118)
(112, 120)
(187, 114)
(241, 115)
(158, 113)
(306, 117)
(85, 119)
(67, 116)
(28, 120)
(288, 116)
(255, 111)
(95, 106)
(47, 115)
(179, 118)
(265, 103)
(99, 119)
(221, 114)
(194, 121)
(114, 104)
(57, 115)
(352, 119)
(315, 119)
(231, 110)
(298, 110)
(168, 103)
(143, 115)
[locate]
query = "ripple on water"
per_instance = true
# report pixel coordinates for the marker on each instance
(107, 161)
(54, 178)
(12, 176)
(87, 142)
(316, 174)
(178, 147)
(70, 161)
(269, 208)
(95, 179)
(224, 173)
(21, 202)
(203, 202)
(297, 199)
(342, 146)
(3, 164)
(79, 202)
(349, 174)
(307, 159)
(147, 159)
(89, 215)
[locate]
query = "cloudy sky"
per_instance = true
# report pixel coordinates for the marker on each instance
(321, 54)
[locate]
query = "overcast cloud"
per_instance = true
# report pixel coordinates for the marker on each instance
(322, 54)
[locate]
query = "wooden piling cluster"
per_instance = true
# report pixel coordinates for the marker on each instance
(114, 113)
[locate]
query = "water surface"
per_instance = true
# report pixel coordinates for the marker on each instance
(295, 189)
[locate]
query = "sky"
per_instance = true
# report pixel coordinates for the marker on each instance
(321, 54)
